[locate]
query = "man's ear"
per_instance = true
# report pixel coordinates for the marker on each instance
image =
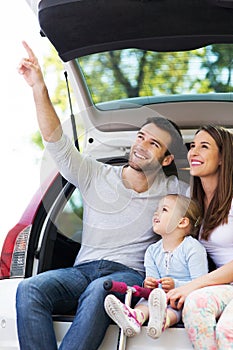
(184, 222)
(167, 160)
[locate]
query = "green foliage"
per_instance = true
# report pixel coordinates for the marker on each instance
(220, 68)
(132, 73)
(37, 140)
(53, 71)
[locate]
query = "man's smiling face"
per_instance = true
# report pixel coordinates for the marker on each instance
(148, 151)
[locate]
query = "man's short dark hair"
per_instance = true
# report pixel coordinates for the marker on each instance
(176, 147)
(172, 128)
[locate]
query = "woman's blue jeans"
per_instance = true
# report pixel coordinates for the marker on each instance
(60, 291)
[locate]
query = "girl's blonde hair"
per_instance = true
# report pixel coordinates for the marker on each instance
(189, 208)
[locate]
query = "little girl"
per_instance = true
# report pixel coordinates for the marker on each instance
(171, 262)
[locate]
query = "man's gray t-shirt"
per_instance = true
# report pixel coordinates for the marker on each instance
(117, 221)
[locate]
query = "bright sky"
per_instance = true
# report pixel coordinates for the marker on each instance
(19, 174)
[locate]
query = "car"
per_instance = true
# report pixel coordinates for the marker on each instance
(126, 60)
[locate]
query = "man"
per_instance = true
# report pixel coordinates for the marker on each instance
(117, 226)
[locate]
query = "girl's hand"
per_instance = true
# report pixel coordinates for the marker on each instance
(150, 282)
(167, 283)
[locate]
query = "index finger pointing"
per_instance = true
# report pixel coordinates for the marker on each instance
(29, 50)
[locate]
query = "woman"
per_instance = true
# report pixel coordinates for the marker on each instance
(208, 307)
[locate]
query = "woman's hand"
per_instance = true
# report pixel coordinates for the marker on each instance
(177, 296)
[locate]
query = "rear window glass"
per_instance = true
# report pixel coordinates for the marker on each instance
(134, 73)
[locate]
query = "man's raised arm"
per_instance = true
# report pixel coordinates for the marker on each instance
(48, 120)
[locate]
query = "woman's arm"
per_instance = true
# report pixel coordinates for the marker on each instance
(222, 275)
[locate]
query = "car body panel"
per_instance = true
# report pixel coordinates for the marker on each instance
(173, 337)
(8, 329)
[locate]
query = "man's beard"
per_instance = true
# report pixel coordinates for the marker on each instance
(148, 167)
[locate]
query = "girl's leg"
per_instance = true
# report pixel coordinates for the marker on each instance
(201, 309)
(224, 328)
(141, 312)
(173, 317)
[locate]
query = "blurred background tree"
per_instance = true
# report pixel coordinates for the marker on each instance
(53, 70)
(132, 73)
(136, 73)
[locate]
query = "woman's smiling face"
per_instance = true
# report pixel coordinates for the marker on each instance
(204, 156)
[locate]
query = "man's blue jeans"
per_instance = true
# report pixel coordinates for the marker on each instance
(63, 290)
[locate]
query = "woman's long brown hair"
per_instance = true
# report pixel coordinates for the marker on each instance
(219, 207)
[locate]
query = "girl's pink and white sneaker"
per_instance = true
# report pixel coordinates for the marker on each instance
(122, 315)
(157, 304)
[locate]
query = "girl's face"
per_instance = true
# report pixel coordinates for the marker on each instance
(167, 216)
(204, 157)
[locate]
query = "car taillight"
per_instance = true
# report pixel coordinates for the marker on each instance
(14, 252)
